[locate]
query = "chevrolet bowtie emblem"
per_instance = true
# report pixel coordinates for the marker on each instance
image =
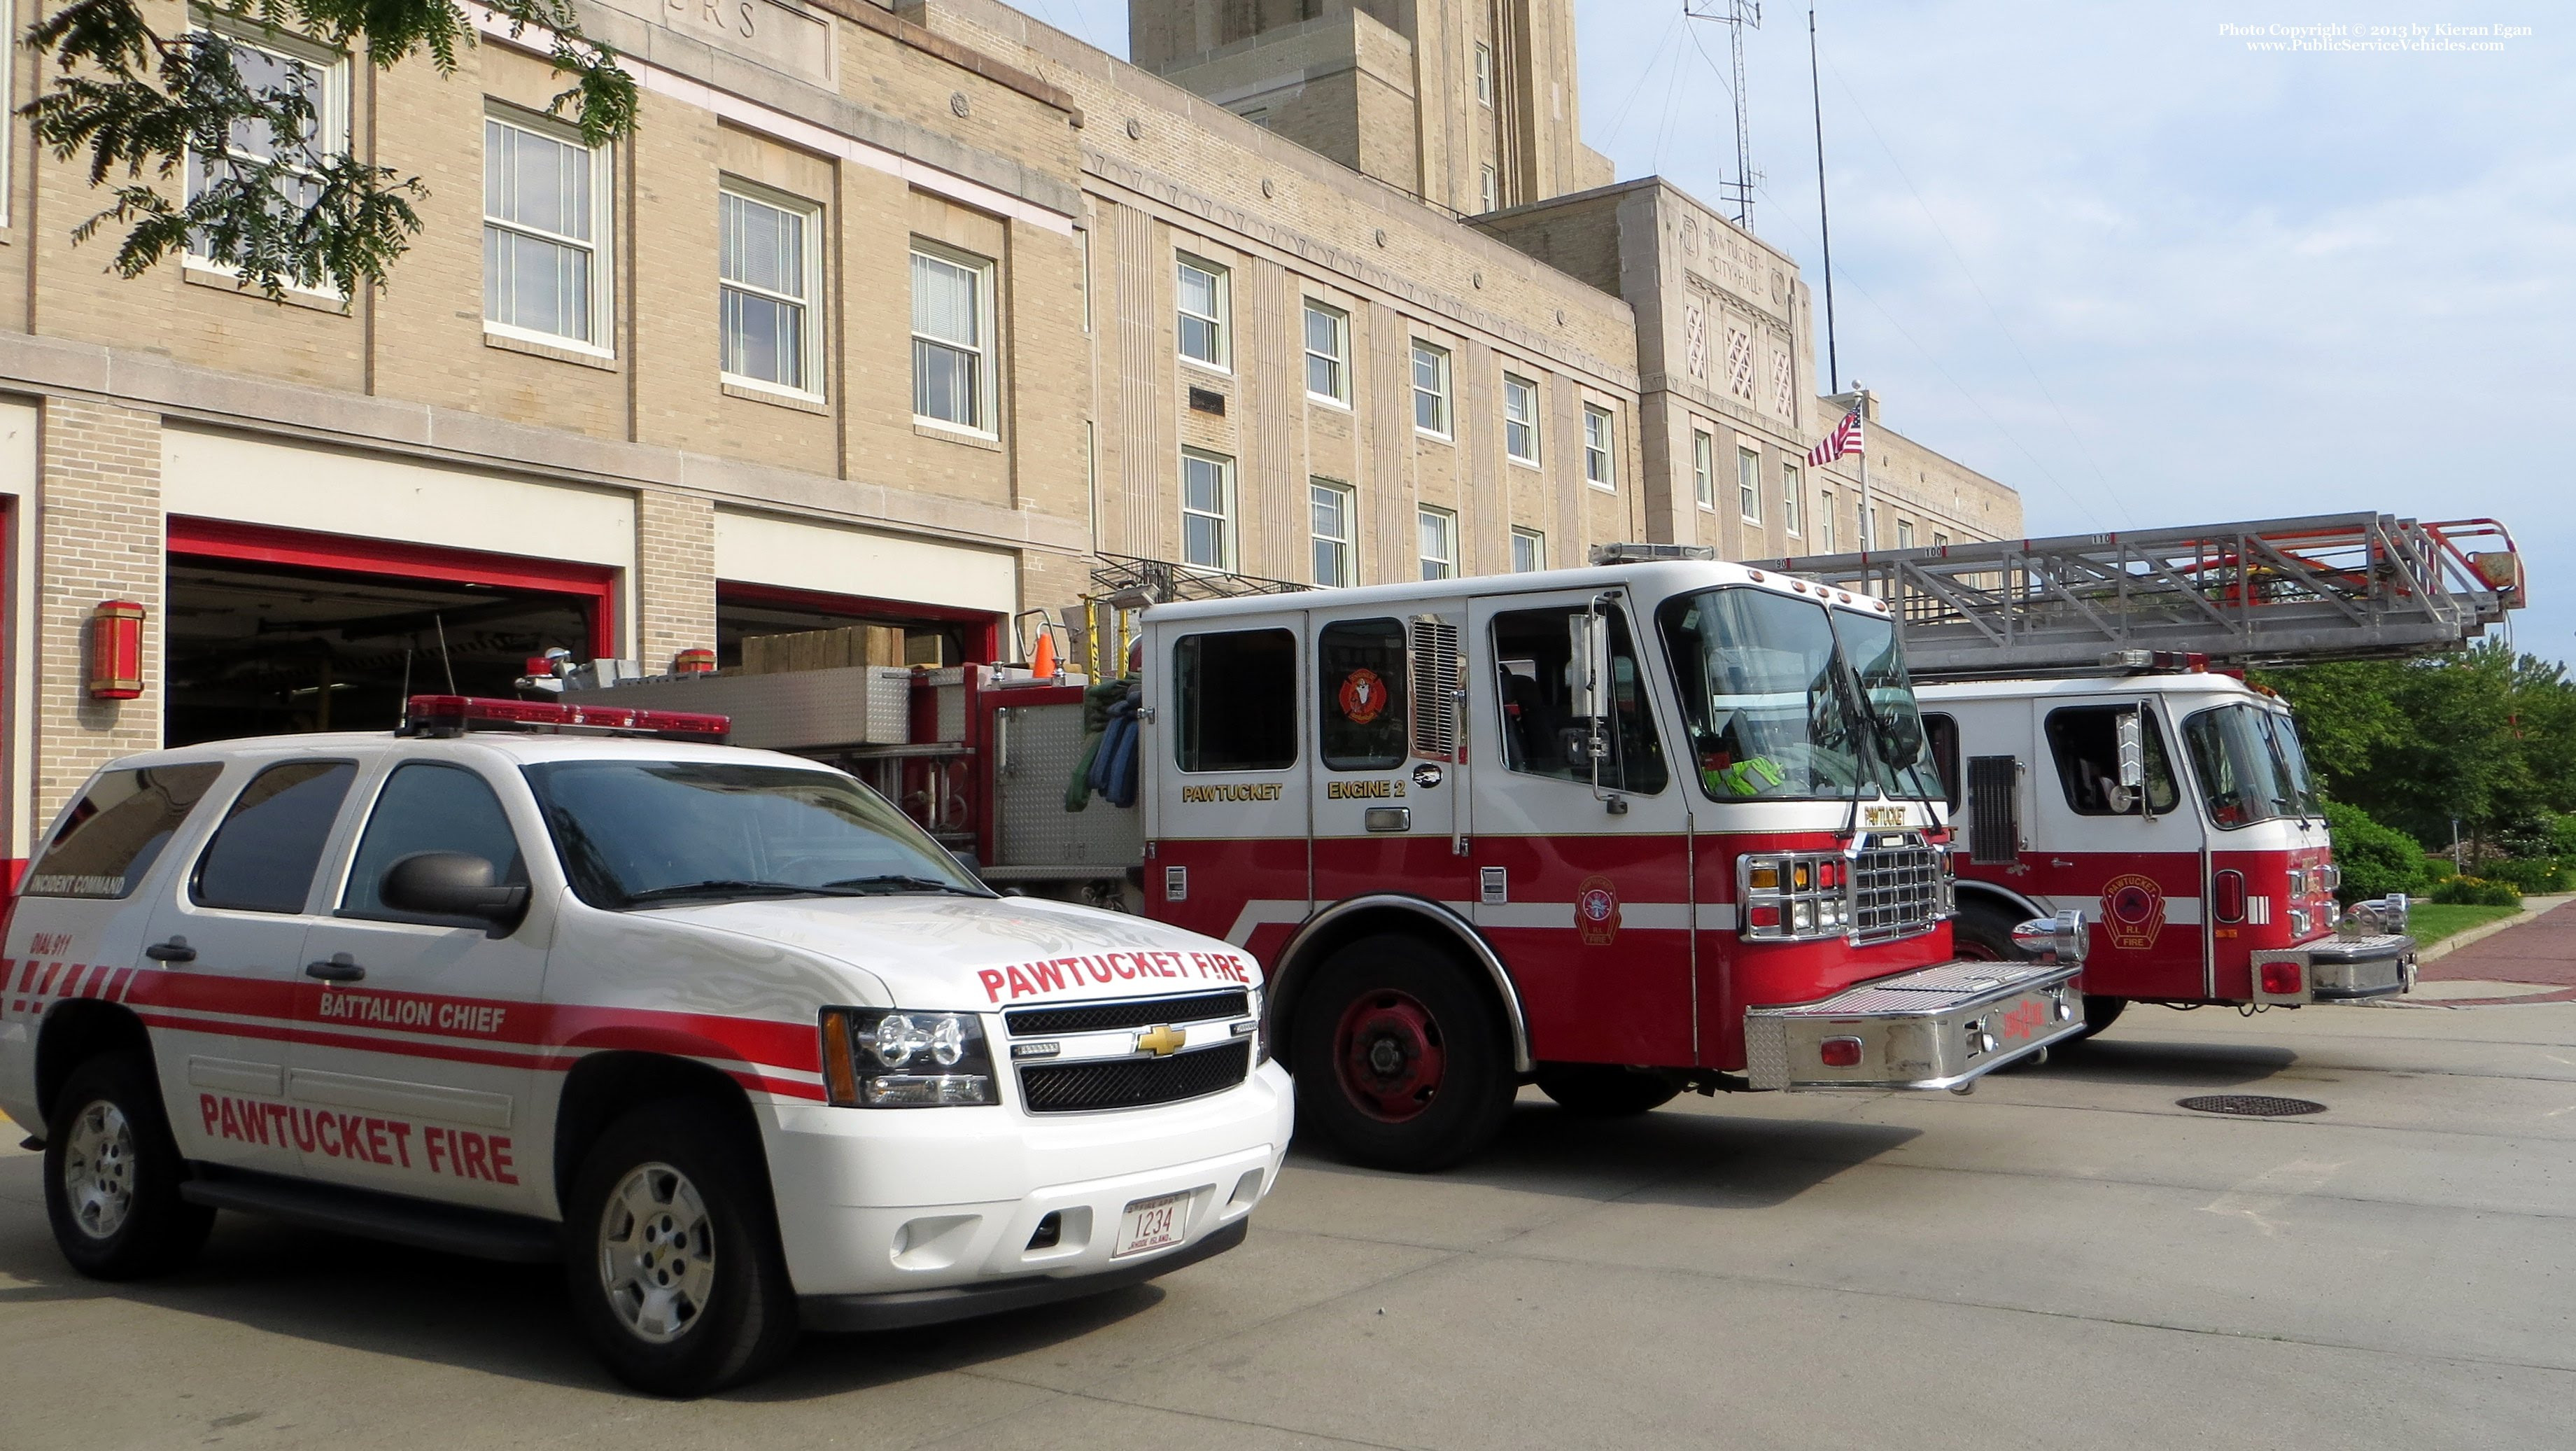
(1162, 1040)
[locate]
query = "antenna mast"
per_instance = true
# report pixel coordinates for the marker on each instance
(1737, 16)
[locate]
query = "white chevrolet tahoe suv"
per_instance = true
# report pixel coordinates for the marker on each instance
(717, 1029)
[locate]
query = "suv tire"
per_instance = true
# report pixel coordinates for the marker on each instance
(671, 1252)
(1401, 1062)
(112, 1174)
(1605, 1090)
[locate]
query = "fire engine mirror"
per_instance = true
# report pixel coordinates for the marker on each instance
(455, 885)
(1587, 652)
(2133, 752)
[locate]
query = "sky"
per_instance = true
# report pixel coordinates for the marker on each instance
(2142, 265)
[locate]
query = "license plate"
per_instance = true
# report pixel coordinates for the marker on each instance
(1152, 1224)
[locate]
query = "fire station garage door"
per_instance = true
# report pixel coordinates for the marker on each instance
(329, 634)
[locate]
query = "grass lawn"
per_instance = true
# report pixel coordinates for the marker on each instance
(2430, 922)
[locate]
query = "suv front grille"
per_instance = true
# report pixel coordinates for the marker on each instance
(1896, 891)
(1133, 1082)
(1136, 1013)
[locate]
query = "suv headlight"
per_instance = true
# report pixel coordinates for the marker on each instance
(905, 1058)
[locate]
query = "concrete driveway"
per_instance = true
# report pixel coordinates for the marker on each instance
(2065, 1259)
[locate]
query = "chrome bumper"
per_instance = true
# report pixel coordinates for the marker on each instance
(1936, 1027)
(2344, 969)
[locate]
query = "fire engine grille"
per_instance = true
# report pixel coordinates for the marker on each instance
(1896, 892)
(1142, 1013)
(1133, 1082)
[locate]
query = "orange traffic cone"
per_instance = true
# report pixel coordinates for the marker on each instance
(1042, 661)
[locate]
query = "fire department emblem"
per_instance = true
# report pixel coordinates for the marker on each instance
(2133, 911)
(1363, 696)
(1596, 912)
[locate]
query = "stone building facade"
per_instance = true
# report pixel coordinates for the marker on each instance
(901, 313)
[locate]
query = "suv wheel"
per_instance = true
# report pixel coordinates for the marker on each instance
(112, 1174)
(672, 1254)
(1399, 1060)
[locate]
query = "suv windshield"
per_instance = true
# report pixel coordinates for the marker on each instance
(2250, 765)
(1774, 709)
(664, 833)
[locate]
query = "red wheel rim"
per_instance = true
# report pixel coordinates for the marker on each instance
(1969, 950)
(1387, 1051)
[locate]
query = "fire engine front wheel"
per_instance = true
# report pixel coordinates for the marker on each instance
(1400, 1062)
(672, 1253)
(112, 1174)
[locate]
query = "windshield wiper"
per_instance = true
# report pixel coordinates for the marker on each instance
(897, 882)
(732, 887)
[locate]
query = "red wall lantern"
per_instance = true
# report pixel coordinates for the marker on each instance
(116, 651)
(699, 661)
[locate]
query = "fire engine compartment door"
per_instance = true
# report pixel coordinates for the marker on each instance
(2135, 875)
(1228, 852)
(1588, 906)
(1386, 778)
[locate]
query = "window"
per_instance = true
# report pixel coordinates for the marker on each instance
(545, 210)
(1825, 520)
(428, 807)
(2085, 742)
(1329, 506)
(1328, 353)
(1940, 540)
(1438, 529)
(1360, 674)
(1484, 73)
(771, 268)
(1542, 736)
(262, 857)
(1598, 470)
(1789, 497)
(1905, 534)
(2249, 764)
(1704, 469)
(1202, 304)
(1529, 551)
(1748, 484)
(111, 838)
(1207, 510)
(952, 362)
(1941, 738)
(1520, 419)
(1430, 388)
(1236, 698)
(268, 61)
(1486, 191)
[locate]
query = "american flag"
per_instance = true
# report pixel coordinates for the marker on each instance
(1844, 439)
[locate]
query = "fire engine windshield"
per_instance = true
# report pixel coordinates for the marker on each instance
(639, 833)
(1897, 746)
(2249, 764)
(1773, 709)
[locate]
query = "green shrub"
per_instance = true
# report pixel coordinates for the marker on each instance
(2476, 892)
(2439, 869)
(2376, 859)
(2529, 874)
(2562, 836)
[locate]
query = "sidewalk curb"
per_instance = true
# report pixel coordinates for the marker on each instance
(2532, 909)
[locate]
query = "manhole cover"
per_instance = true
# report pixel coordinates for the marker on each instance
(2251, 1105)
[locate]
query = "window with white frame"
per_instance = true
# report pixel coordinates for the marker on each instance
(1439, 547)
(1328, 507)
(1328, 353)
(1207, 510)
(1520, 419)
(545, 233)
(1430, 388)
(1484, 73)
(952, 352)
(1905, 534)
(269, 61)
(1825, 520)
(1529, 551)
(1704, 468)
(1598, 469)
(1789, 511)
(1487, 192)
(1202, 303)
(769, 264)
(1748, 484)
(1940, 540)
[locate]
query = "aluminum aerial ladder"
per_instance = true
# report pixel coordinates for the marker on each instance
(2266, 592)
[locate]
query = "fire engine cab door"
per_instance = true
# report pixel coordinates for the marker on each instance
(1583, 879)
(1386, 780)
(1226, 756)
(2134, 872)
(422, 1032)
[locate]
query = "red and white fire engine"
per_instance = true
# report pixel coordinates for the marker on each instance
(2088, 717)
(1621, 831)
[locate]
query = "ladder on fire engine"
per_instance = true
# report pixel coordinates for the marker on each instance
(2266, 592)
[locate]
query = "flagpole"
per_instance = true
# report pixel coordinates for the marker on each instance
(1824, 215)
(1868, 525)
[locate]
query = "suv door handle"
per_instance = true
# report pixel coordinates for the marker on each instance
(341, 968)
(174, 950)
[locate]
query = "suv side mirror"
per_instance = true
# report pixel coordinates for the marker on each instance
(453, 884)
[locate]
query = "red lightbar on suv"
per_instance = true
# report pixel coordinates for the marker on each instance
(447, 715)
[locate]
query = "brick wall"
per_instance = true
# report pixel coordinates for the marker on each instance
(98, 537)
(675, 576)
